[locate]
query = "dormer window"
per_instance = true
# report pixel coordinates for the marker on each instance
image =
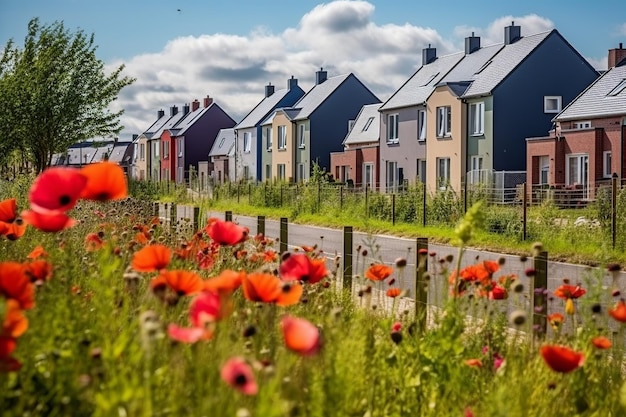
(618, 89)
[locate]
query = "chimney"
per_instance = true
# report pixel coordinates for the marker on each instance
(269, 90)
(160, 114)
(512, 34)
(195, 105)
(428, 55)
(186, 109)
(617, 55)
(208, 101)
(292, 83)
(320, 76)
(472, 44)
(173, 110)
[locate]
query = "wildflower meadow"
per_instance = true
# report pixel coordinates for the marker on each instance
(107, 312)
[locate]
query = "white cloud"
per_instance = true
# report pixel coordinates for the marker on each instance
(339, 36)
(598, 63)
(621, 30)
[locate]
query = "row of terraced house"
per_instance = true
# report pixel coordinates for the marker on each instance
(530, 104)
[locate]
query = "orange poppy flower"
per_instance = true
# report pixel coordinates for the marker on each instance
(619, 311)
(474, 363)
(378, 272)
(38, 271)
(37, 252)
(262, 287)
(227, 281)
(141, 238)
(181, 282)
(300, 335)
(56, 189)
(151, 258)
(561, 358)
(105, 181)
(8, 210)
(226, 233)
(290, 294)
(49, 221)
(15, 230)
(269, 256)
(14, 284)
(601, 342)
(15, 323)
(556, 320)
(300, 267)
(93, 242)
(393, 292)
(566, 291)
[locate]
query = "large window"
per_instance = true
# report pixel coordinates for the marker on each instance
(421, 170)
(552, 104)
(247, 142)
(392, 176)
(281, 173)
(392, 128)
(577, 169)
(301, 140)
(421, 125)
(155, 148)
(142, 151)
(544, 169)
(443, 173)
(444, 121)
(477, 118)
(268, 138)
(606, 164)
(368, 175)
(282, 137)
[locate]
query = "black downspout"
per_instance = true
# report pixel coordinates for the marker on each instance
(621, 151)
(467, 136)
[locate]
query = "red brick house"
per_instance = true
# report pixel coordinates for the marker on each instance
(357, 164)
(586, 147)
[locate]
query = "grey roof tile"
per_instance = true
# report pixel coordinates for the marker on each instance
(170, 123)
(358, 134)
(420, 86)
(595, 100)
(223, 144)
(466, 70)
(503, 63)
(262, 109)
(317, 95)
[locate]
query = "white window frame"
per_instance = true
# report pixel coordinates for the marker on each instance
(369, 175)
(142, 151)
(282, 137)
(268, 138)
(157, 147)
(544, 169)
(549, 100)
(247, 142)
(301, 139)
(582, 173)
(367, 124)
(444, 119)
(443, 172)
(181, 147)
(391, 180)
(166, 149)
(585, 124)
(392, 128)
(477, 118)
(421, 125)
(607, 158)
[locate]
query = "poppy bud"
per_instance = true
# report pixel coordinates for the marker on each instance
(396, 337)
(569, 306)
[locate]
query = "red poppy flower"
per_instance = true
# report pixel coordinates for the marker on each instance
(179, 281)
(227, 281)
(93, 242)
(13, 231)
(15, 323)
(566, 291)
(561, 358)
(290, 294)
(498, 293)
(151, 258)
(14, 284)
(300, 335)
(205, 307)
(38, 271)
(378, 272)
(619, 311)
(601, 342)
(300, 267)
(56, 189)
(37, 252)
(238, 374)
(474, 363)
(105, 181)
(393, 292)
(187, 334)
(49, 221)
(7, 346)
(226, 233)
(8, 210)
(556, 320)
(262, 287)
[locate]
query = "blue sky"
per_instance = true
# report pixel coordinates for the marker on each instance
(181, 50)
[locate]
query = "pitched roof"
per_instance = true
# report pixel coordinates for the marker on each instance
(169, 124)
(606, 96)
(224, 143)
(290, 112)
(366, 126)
(188, 120)
(262, 109)
(419, 87)
(468, 68)
(158, 124)
(318, 94)
(504, 62)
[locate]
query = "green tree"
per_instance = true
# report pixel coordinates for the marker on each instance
(55, 92)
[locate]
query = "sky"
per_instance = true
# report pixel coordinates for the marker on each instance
(181, 50)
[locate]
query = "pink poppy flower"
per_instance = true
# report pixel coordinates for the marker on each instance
(237, 373)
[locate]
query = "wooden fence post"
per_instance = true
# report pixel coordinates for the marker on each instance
(393, 209)
(347, 257)
(228, 216)
(421, 292)
(283, 235)
(524, 213)
(196, 219)
(260, 225)
(172, 216)
(614, 208)
(540, 298)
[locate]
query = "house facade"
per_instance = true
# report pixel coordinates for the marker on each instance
(586, 148)
(357, 164)
(249, 132)
(222, 157)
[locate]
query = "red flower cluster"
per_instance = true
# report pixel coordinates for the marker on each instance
(480, 275)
